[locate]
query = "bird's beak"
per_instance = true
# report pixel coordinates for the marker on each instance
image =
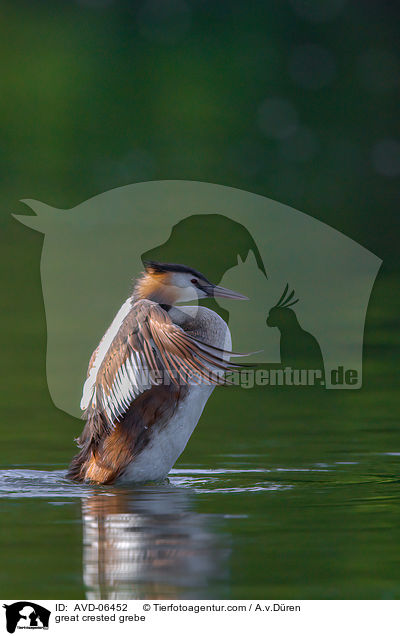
(222, 292)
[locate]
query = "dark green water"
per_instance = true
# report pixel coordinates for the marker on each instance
(281, 493)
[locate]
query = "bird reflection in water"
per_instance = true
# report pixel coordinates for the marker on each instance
(149, 544)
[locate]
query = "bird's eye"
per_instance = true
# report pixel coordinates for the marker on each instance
(194, 281)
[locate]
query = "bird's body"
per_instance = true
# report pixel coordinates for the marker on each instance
(170, 437)
(150, 378)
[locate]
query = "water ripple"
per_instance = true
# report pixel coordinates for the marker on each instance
(16, 483)
(53, 484)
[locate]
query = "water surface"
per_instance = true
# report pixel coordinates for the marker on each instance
(247, 529)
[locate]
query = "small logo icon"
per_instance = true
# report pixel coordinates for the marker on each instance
(26, 615)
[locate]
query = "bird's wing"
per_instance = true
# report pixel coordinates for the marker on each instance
(147, 349)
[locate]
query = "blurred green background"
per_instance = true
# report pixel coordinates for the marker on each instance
(296, 100)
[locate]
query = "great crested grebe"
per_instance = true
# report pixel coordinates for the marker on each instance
(151, 376)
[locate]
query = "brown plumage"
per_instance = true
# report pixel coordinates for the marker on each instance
(142, 371)
(104, 461)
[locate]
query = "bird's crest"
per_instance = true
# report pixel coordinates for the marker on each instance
(154, 267)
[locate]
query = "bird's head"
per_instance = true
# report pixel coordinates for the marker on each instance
(170, 283)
